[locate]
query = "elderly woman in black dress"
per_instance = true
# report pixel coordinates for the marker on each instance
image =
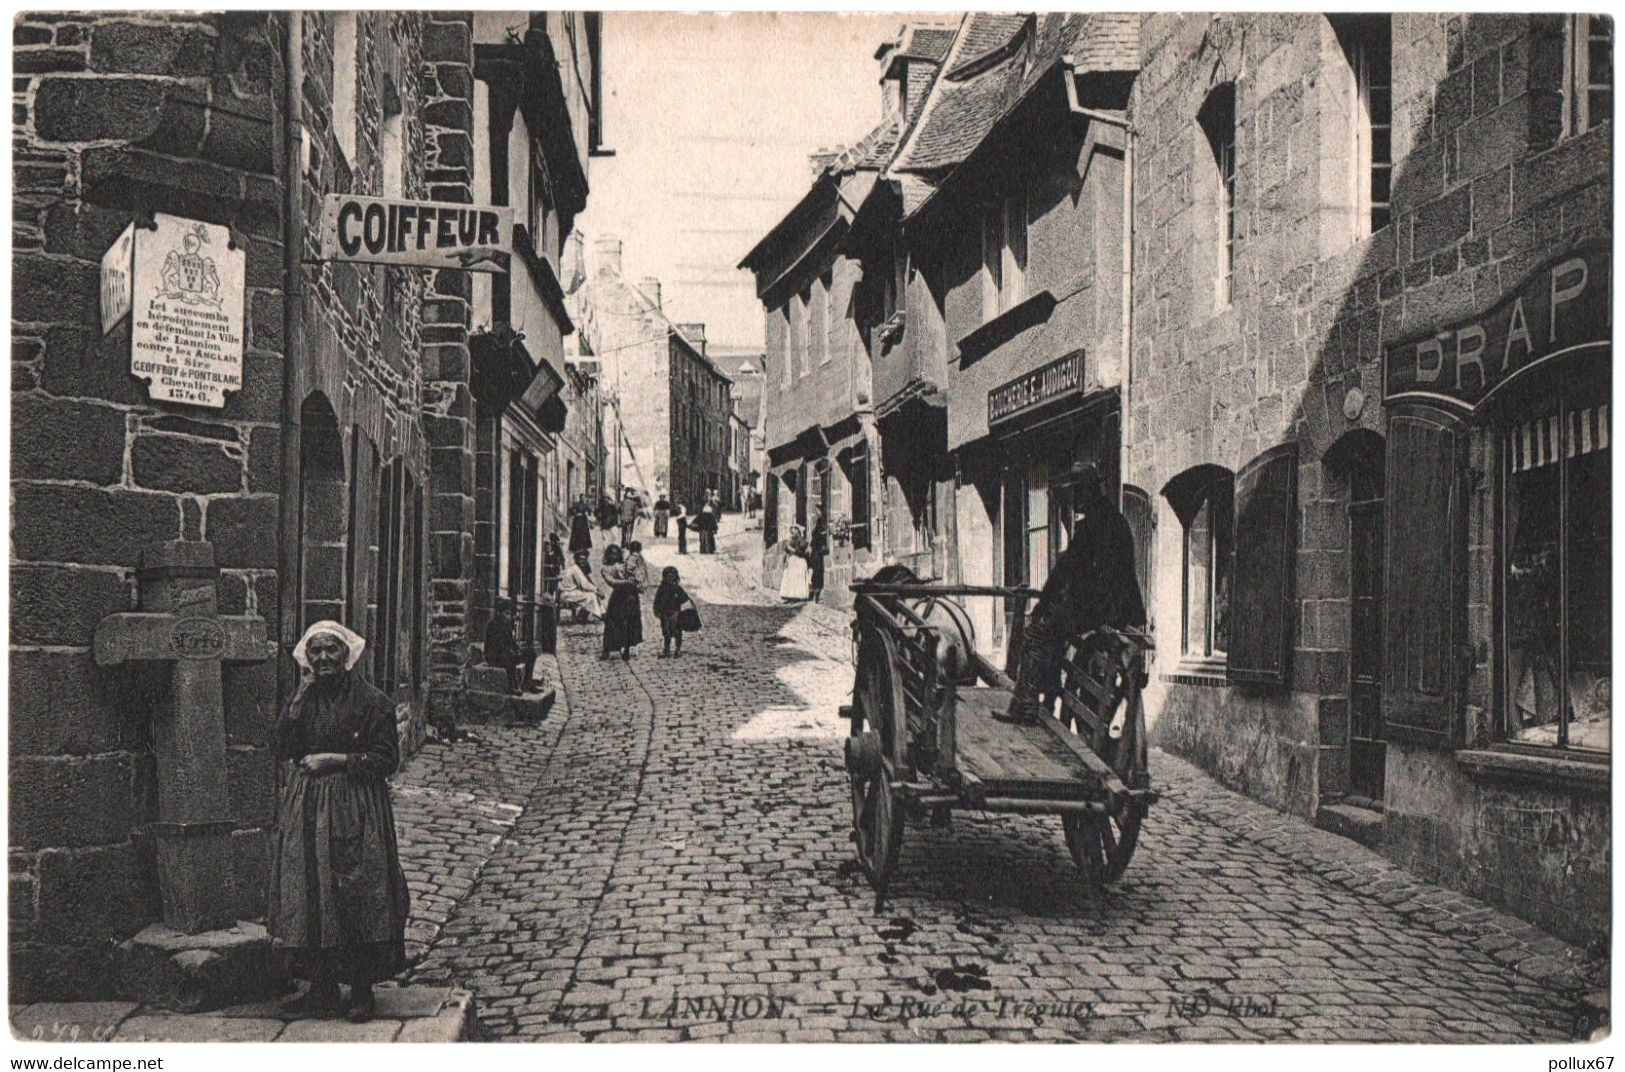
(338, 895)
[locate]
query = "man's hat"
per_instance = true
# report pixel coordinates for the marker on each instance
(1084, 473)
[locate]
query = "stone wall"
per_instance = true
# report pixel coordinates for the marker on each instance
(1485, 190)
(449, 419)
(360, 364)
(114, 117)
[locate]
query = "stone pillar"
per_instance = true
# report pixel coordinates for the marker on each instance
(449, 413)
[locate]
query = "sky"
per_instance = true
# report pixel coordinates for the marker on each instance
(712, 118)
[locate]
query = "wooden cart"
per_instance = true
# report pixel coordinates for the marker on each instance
(924, 741)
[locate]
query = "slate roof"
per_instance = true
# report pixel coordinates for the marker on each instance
(930, 43)
(1111, 42)
(872, 150)
(991, 67)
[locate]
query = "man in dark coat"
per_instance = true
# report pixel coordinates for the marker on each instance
(1093, 584)
(581, 526)
(501, 649)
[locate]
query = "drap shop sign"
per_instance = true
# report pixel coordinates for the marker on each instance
(426, 234)
(1561, 307)
(1054, 380)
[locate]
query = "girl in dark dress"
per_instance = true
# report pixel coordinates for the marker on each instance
(670, 598)
(623, 615)
(338, 899)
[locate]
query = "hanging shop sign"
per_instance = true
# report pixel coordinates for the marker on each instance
(425, 234)
(1561, 307)
(1042, 385)
(117, 267)
(186, 311)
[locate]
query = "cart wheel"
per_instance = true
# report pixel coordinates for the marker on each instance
(877, 820)
(877, 813)
(1102, 845)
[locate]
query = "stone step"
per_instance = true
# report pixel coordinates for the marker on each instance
(488, 678)
(486, 707)
(167, 969)
(1363, 825)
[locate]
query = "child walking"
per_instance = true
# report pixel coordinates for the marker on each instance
(676, 612)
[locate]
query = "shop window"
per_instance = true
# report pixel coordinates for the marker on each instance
(1203, 500)
(1004, 254)
(1589, 99)
(1557, 573)
(1218, 121)
(1261, 612)
(344, 67)
(1367, 42)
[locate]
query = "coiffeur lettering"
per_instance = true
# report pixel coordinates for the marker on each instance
(396, 228)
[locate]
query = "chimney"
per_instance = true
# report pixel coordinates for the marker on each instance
(607, 256)
(891, 96)
(695, 334)
(651, 288)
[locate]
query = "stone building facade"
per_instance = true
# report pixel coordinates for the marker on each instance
(338, 482)
(1013, 218)
(669, 400)
(115, 117)
(1370, 355)
(533, 74)
(817, 411)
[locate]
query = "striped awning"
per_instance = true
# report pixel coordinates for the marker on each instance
(1535, 443)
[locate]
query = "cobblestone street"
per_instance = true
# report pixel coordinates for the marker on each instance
(667, 858)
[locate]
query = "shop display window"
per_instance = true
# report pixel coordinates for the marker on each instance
(1556, 626)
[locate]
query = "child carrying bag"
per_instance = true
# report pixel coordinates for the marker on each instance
(688, 618)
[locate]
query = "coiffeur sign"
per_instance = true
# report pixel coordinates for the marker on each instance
(426, 234)
(1561, 307)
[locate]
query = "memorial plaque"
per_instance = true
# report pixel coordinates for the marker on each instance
(186, 337)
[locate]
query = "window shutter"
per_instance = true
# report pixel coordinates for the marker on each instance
(1142, 522)
(1260, 642)
(770, 509)
(1422, 605)
(860, 498)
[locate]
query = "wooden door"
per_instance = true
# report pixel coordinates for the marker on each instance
(1367, 753)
